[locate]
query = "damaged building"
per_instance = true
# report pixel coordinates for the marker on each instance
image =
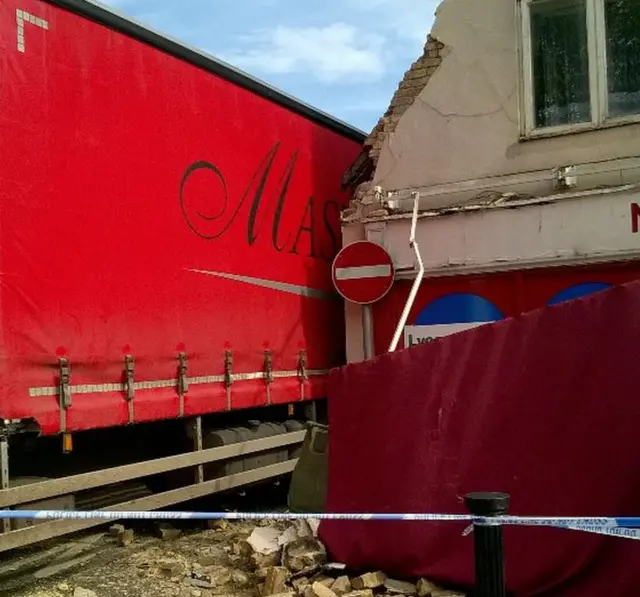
(517, 133)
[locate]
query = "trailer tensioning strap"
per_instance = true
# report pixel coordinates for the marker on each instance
(617, 526)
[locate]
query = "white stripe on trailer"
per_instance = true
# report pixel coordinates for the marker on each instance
(362, 272)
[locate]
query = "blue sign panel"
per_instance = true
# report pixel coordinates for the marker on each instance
(577, 291)
(450, 314)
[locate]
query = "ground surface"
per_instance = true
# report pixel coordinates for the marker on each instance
(148, 567)
(248, 558)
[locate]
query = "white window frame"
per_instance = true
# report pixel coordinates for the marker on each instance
(598, 88)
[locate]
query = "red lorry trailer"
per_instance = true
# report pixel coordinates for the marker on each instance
(168, 225)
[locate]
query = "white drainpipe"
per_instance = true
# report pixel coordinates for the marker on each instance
(416, 283)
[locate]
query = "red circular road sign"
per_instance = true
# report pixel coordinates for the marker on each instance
(362, 272)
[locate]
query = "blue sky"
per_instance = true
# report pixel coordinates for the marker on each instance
(345, 57)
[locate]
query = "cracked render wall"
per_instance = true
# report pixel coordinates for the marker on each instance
(464, 123)
(413, 82)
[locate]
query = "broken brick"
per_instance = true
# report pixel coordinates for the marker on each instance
(426, 588)
(341, 585)
(275, 581)
(171, 569)
(400, 587)
(169, 533)
(125, 538)
(370, 580)
(116, 529)
(304, 554)
(320, 590)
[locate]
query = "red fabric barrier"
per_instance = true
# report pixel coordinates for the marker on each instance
(542, 406)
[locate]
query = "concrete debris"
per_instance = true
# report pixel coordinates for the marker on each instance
(116, 529)
(240, 578)
(426, 588)
(276, 580)
(80, 592)
(400, 587)
(334, 566)
(265, 540)
(296, 531)
(125, 538)
(237, 559)
(314, 525)
(305, 554)
(218, 525)
(243, 550)
(196, 582)
(262, 562)
(341, 585)
(318, 589)
(211, 556)
(171, 569)
(370, 580)
(300, 584)
(204, 580)
(169, 533)
(324, 580)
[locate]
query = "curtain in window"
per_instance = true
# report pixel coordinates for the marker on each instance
(623, 56)
(560, 62)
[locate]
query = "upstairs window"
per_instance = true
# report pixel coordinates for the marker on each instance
(581, 64)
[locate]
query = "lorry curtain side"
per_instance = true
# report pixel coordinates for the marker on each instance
(151, 209)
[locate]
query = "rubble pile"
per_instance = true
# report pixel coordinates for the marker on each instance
(237, 559)
(294, 563)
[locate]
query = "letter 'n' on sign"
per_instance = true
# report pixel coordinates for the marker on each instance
(635, 218)
(22, 18)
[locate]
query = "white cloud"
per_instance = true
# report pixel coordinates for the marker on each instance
(410, 20)
(335, 53)
(344, 56)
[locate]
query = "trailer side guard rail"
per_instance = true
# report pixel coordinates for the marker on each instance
(61, 525)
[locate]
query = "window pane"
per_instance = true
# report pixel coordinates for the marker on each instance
(560, 62)
(623, 56)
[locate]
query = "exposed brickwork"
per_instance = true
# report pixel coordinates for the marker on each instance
(414, 81)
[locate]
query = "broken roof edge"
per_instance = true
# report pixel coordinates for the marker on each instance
(413, 82)
(484, 202)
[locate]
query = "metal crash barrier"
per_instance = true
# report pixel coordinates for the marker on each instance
(488, 515)
(33, 496)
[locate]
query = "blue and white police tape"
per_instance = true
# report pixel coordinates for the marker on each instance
(617, 526)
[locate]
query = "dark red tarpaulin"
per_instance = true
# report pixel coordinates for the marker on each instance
(543, 406)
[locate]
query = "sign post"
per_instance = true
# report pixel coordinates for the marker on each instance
(363, 273)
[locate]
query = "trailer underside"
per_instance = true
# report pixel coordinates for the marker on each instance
(237, 460)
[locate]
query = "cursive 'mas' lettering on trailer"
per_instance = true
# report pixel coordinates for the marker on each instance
(314, 233)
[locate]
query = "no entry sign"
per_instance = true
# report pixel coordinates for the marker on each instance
(363, 272)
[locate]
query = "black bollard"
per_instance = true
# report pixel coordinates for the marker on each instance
(488, 548)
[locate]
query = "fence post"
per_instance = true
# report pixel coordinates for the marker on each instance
(488, 548)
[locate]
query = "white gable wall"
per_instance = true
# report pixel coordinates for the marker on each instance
(465, 124)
